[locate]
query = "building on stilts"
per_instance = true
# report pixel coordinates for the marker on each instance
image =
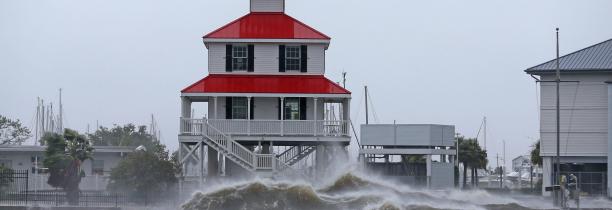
(270, 109)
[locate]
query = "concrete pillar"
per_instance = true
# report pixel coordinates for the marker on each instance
(320, 160)
(213, 163)
(547, 170)
(428, 167)
(201, 158)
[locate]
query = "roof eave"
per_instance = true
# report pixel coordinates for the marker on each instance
(258, 40)
(552, 71)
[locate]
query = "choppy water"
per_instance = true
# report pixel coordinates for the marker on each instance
(350, 191)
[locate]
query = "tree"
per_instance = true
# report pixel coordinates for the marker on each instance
(536, 159)
(126, 135)
(12, 132)
(144, 173)
(63, 156)
(472, 156)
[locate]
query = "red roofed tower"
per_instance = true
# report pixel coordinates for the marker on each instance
(269, 103)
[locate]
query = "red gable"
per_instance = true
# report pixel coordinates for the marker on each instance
(292, 84)
(266, 25)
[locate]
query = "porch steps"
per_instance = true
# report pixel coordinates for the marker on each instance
(295, 154)
(264, 164)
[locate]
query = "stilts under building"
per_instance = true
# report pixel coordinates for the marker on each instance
(416, 154)
(270, 109)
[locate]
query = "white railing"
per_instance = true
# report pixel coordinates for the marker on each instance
(269, 127)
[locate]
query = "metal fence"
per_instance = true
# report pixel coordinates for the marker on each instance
(13, 186)
(591, 183)
(14, 190)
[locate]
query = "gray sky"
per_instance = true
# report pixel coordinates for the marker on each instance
(449, 62)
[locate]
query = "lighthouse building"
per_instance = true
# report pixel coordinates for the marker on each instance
(270, 110)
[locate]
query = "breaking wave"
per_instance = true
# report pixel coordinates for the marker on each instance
(346, 191)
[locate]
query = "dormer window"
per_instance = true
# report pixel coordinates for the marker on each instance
(239, 58)
(293, 58)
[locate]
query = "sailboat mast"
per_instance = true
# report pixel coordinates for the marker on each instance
(366, 104)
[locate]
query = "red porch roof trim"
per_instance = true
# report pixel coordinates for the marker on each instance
(288, 84)
(266, 25)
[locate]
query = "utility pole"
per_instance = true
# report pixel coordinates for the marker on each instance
(504, 159)
(485, 133)
(558, 159)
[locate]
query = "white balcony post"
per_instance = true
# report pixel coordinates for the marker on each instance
(315, 115)
(346, 109)
(215, 101)
(248, 116)
(282, 113)
(186, 114)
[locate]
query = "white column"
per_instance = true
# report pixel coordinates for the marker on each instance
(315, 115)
(546, 174)
(185, 107)
(249, 115)
(346, 113)
(215, 105)
(282, 113)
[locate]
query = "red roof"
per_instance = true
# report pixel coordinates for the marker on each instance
(266, 25)
(293, 84)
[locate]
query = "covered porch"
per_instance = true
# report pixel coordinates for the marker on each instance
(270, 116)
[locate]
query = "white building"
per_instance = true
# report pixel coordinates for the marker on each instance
(30, 158)
(269, 103)
(521, 162)
(585, 125)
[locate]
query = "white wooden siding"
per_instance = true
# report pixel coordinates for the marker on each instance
(316, 59)
(267, 5)
(266, 59)
(580, 144)
(584, 111)
(216, 58)
(266, 109)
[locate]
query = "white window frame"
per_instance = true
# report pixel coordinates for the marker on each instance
(236, 57)
(287, 109)
(293, 58)
(235, 107)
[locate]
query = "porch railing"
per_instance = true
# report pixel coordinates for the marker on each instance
(191, 126)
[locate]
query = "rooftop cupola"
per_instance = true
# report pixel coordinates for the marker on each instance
(267, 5)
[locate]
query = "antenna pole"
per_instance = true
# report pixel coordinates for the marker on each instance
(344, 79)
(366, 103)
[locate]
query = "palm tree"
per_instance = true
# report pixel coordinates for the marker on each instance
(64, 156)
(472, 156)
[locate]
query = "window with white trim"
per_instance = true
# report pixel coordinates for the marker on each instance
(292, 108)
(239, 108)
(239, 58)
(292, 58)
